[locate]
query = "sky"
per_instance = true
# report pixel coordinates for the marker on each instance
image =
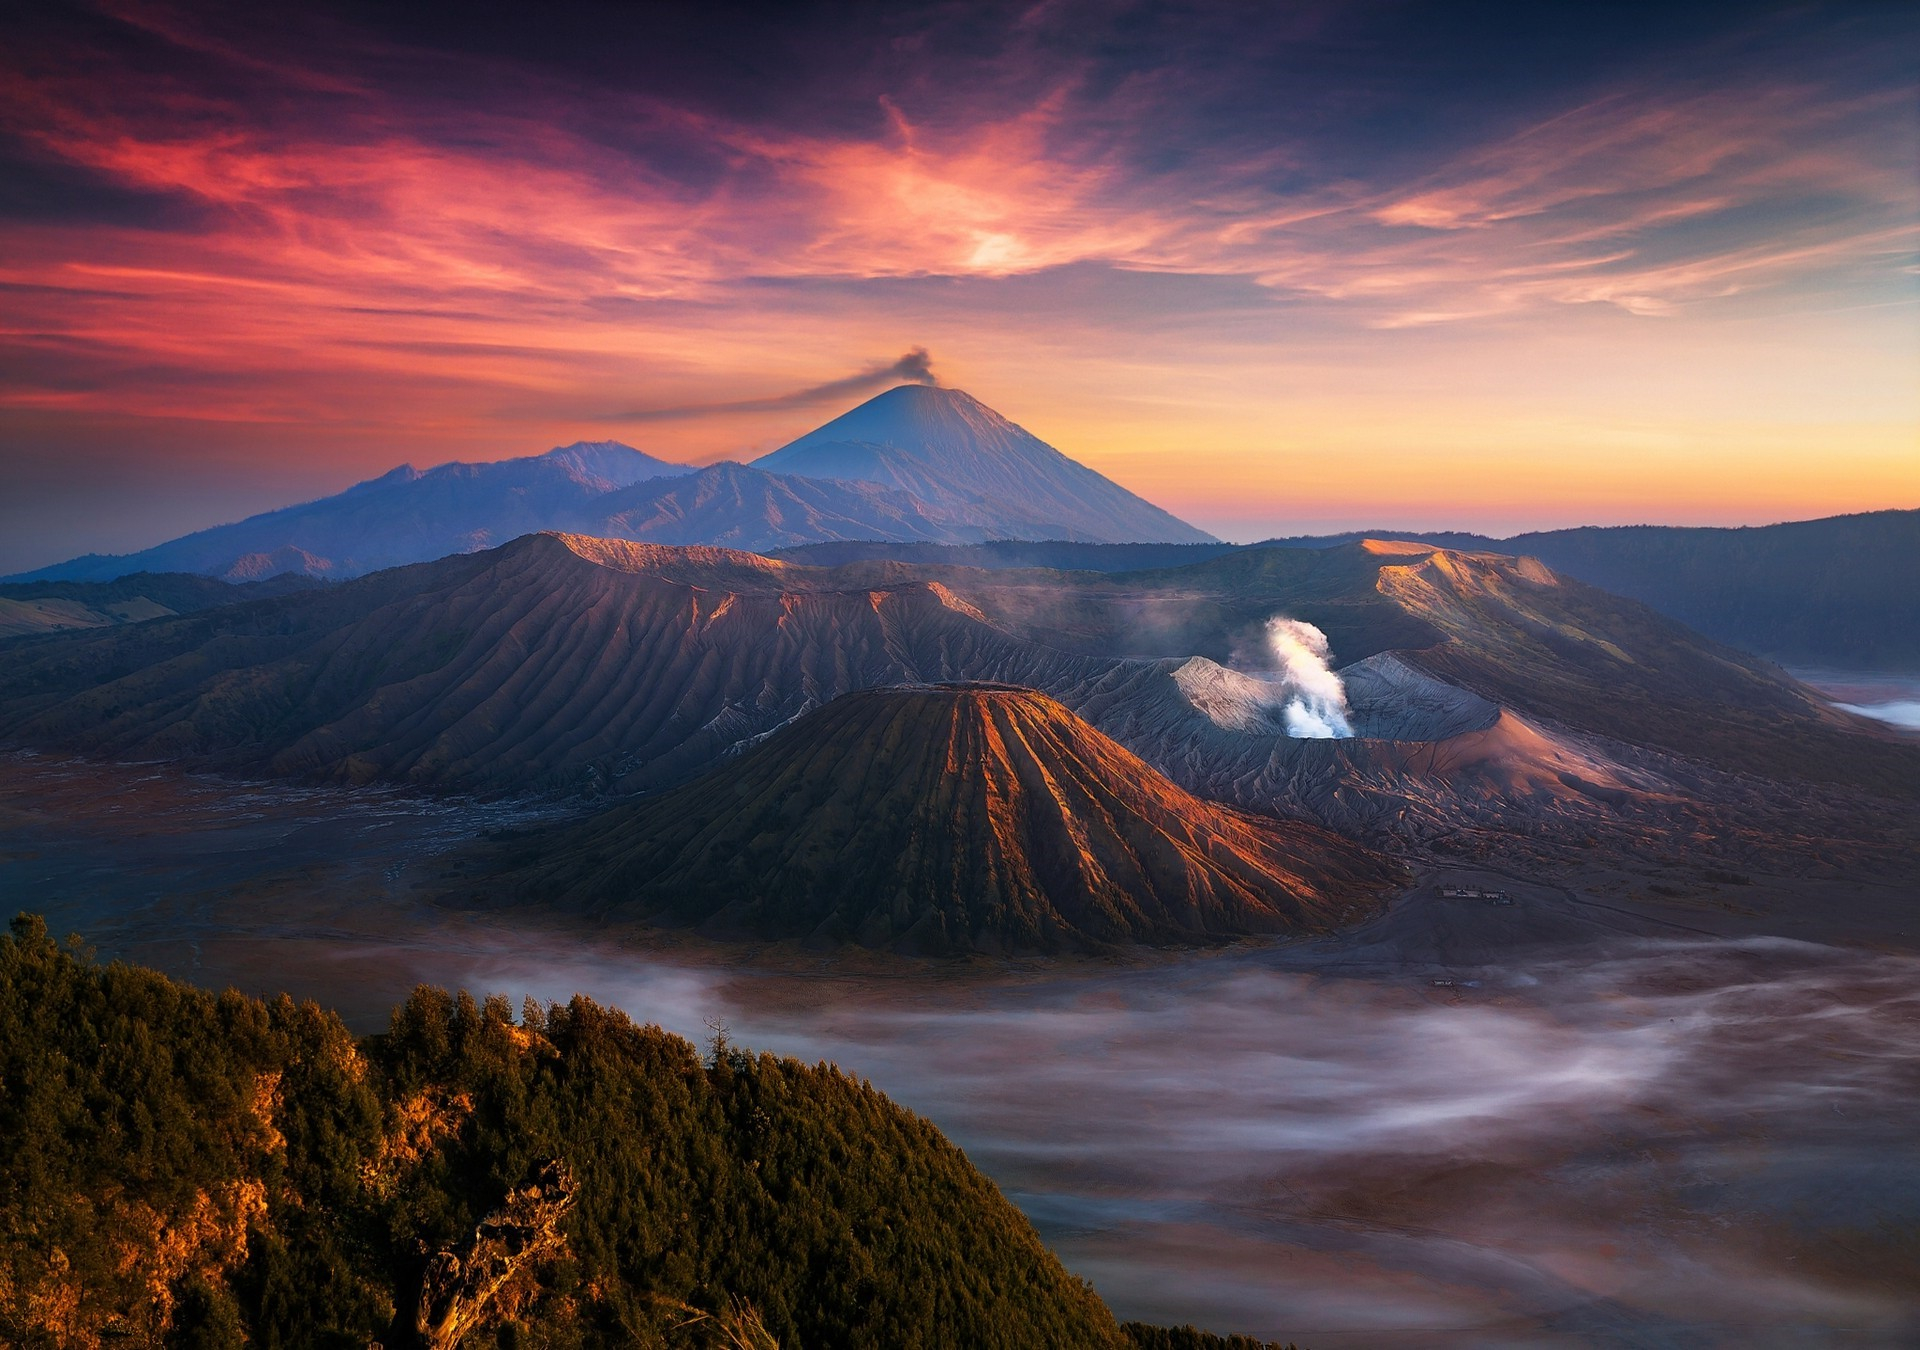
(1281, 268)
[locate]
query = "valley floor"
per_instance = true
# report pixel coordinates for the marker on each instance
(1600, 1114)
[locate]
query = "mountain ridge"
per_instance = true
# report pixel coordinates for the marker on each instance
(1836, 590)
(403, 516)
(995, 481)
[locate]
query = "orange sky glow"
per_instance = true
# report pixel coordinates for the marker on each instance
(1644, 299)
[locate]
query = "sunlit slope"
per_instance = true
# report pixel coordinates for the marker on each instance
(1530, 639)
(1841, 591)
(960, 817)
(226, 1171)
(1506, 628)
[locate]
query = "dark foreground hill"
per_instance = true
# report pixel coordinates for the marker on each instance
(186, 1169)
(950, 818)
(1842, 591)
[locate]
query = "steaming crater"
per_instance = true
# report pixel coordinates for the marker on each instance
(1314, 706)
(1385, 699)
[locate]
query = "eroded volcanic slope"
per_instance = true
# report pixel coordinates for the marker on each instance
(945, 818)
(553, 662)
(1490, 694)
(1508, 629)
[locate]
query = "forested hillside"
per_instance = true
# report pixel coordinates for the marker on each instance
(191, 1169)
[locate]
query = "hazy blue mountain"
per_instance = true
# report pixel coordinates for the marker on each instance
(1840, 591)
(914, 465)
(955, 453)
(404, 516)
(738, 507)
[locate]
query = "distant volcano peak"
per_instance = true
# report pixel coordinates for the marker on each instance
(952, 451)
(919, 417)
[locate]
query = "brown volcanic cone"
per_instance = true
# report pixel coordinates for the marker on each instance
(951, 817)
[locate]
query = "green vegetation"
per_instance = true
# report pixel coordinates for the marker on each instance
(1145, 1337)
(191, 1169)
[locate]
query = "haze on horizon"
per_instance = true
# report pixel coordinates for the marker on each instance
(1486, 266)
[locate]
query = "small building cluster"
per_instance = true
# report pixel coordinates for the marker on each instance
(1475, 893)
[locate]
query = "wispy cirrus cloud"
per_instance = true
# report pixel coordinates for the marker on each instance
(351, 220)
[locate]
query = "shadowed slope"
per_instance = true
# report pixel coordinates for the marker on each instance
(555, 661)
(1841, 591)
(30, 608)
(950, 818)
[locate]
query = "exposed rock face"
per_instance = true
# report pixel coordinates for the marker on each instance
(554, 662)
(948, 818)
(460, 1292)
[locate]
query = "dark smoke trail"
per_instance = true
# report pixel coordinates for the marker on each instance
(916, 367)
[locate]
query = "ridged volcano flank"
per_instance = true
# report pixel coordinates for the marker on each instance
(949, 818)
(947, 448)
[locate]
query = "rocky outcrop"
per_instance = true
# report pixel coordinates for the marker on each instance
(461, 1292)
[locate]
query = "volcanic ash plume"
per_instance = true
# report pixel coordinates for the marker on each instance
(1316, 704)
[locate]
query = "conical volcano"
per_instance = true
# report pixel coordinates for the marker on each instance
(951, 450)
(950, 818)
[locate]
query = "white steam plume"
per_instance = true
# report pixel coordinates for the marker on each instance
(1316, 705)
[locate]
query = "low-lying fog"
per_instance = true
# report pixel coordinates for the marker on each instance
(1889, 698)
(1625, 1148)
(1684, 1141)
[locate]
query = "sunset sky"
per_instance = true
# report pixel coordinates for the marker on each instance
(1279, 268)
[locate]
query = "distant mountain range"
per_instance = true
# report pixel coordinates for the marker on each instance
(933, 476)
(403, 516)
(1841, 592)
(913, 464)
